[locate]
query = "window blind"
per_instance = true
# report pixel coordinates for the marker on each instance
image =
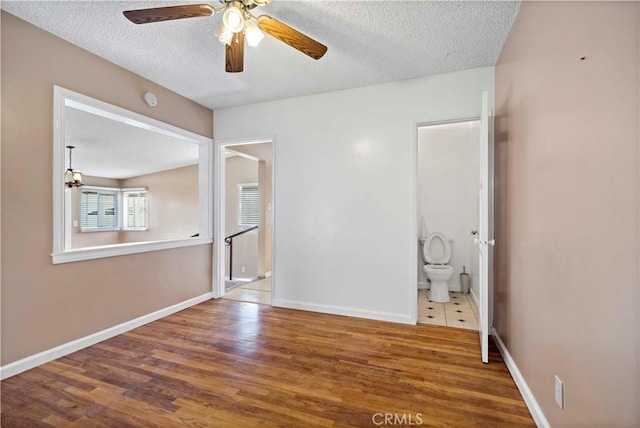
(98, 210)
(137, 211)
(249, 201)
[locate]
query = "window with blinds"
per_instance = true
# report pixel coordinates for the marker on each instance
(249, 201)
(99, 210)
(135, 208)
(110, 209)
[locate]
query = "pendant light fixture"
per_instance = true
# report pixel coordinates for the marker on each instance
(72, 178)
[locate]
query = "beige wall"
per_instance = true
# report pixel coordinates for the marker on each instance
(45, 305)
(239, 170)
(173, 208)
(173, 204)
(566, 291)
(264, 152)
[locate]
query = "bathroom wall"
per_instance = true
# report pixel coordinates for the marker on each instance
(448, 177)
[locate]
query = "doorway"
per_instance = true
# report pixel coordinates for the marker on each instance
(483, 295)
(448, 181)
(244, 221)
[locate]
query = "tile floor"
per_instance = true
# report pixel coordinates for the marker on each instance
(460, 312)
(253, 292)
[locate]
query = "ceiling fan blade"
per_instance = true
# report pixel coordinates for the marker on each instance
(235, 54)
(292, 37)
(157, 14)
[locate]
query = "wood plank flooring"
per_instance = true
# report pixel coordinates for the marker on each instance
(233, 364)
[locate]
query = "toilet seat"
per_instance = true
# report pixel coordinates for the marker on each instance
(438, 268)
(432, 255)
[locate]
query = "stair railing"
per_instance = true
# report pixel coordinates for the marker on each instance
(228, 241)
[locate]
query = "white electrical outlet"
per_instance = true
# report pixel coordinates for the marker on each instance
(559, 392)
(244, 269)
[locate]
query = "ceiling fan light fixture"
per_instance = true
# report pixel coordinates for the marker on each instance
(223, 34)
(233, 17)
(237, 25)
(252, 33)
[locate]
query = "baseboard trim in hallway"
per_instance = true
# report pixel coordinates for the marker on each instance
(343, 311)
(43, 357)
(527, 395)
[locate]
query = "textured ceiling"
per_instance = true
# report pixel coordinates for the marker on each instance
(111, 149)
(369, 42)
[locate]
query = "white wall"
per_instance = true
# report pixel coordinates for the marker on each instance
(448, 184)
(345, 220)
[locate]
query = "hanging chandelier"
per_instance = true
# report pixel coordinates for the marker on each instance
(72, 178)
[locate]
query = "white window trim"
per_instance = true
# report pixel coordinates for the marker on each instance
(88, 253)
(63, 98)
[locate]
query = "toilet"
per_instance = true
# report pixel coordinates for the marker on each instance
(436, 253)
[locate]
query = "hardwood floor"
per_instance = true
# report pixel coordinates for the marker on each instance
(226, 363)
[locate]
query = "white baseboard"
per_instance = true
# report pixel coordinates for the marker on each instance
(267, 274)
(474, 297)
(35, 360)
(340, 310)
(526, 393)
(423, 285)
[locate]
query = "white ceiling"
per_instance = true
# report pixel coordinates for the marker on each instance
(112, 149)
(369, 42)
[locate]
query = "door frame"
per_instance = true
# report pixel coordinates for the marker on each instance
(219, 213)
(413, 238)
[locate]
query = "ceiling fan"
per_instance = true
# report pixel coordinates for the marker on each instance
(238, 24)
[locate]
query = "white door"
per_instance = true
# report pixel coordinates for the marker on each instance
(482, 238)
